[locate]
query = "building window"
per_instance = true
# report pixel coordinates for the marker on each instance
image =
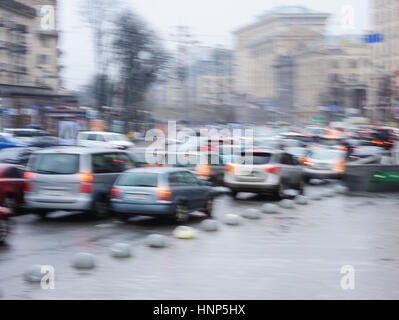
(43, 59)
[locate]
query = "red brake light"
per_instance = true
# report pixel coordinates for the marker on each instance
(86, 180)
(164, 195)
(29, 175)
(116, 193)
(272, 169)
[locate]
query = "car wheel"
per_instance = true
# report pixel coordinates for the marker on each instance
(4, 229)
(181, 214)
(209, 207)
(301, 188)
(10, 203)
(281, 191)
(234, 194)
(101, 208)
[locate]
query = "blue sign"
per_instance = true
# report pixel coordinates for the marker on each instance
(374, 38)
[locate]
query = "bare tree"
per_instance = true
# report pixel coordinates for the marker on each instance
(139, 59)
(99, 16)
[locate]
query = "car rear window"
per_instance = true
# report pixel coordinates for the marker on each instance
(256, 158)
(57, 163)
(111, 162)
(138, 179)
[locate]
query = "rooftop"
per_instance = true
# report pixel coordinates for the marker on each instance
(289, 10)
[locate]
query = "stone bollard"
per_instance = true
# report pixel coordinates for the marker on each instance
(83, 260)
(252, 214)
(209, 225)
(232, 219)
(155, 241)
(183, 232)
(286, 204)
(269, 208)
(121, 250)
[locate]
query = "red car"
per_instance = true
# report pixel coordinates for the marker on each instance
(12, 184)
(4, 226)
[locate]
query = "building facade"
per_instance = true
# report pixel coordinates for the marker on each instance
(277, 32)
(29, 44)
(384, 83)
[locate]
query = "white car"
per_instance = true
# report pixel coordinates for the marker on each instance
(102, 140)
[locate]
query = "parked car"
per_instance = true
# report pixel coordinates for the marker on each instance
(45, 142)
(12, 185)
(26, 136)
(103, 140)
(16, 155)
(6, 141)
(160, 192)
(4, 224)
(268, 171)
(325, 164)
(73, 179)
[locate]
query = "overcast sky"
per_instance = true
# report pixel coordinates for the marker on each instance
(210, 21)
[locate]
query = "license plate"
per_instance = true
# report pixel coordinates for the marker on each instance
(54, 193)
(137, 196)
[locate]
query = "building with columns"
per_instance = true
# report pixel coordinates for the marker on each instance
(277, 32)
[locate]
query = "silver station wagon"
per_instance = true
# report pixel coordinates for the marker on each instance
(160, 192)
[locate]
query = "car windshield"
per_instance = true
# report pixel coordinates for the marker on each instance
(9, 153)
(298, 152)
(326, 154)
(59, 163)
(115, 137)
(139, 179)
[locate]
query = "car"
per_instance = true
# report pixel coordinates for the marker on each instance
(266, 171)
(299, 153)
(16, 155)
(160, 192)
(12, 184)
(291, 143)
(103, 140)
(73, 179)
(26, 136)
(45, 142)
(4, 224)
(7, 141)
(324, 163)
(365, 151)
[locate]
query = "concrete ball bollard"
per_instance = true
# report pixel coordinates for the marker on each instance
(34, 273)
(209, 225)
(183, 232)
(316, 197)
(341, 189)
(121, 250)
(270, 208)
(83, 260)
(329, 193)
(301, 200)
(155, 241)
(232, 219)
(251, 214)
(286, 204)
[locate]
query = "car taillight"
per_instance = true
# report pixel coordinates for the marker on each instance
(164, 195)
(116, 193)
(272, 169)
(29, 175)
(203, 171)
(230, 168)
(308, 163)
(340, 165)
(27, 187)
(86, 180)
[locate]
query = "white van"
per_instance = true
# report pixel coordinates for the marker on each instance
(92, 139)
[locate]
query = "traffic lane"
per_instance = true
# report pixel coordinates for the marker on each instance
(295, 254)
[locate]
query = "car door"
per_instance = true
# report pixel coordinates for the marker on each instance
(101, 142)
(286, 171)
(198, 193)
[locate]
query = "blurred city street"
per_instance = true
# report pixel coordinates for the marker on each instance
(295, 254)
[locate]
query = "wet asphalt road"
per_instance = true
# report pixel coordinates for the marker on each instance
(296, 254)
